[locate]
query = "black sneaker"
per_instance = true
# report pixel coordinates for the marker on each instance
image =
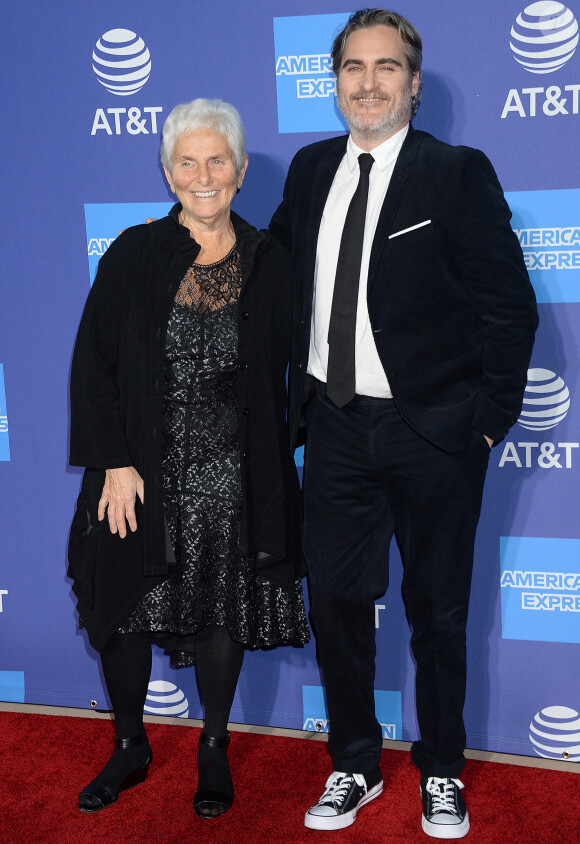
(343, 796)
(444, 812)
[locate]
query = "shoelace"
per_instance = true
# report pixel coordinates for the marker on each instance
(443, 794)
(337, 789)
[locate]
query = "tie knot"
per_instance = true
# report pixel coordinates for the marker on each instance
(365, 162)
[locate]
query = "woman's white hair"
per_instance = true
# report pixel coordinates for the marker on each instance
(204, 114)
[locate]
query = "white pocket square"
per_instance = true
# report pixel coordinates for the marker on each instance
(410, 229)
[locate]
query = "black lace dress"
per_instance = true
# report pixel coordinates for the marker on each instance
(213, 583)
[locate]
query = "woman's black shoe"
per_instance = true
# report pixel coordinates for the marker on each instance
(103, 791)
(215, 790)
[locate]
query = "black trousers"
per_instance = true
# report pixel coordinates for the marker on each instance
(368, 475)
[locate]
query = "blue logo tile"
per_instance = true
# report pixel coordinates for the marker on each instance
(305, 84)
(105, 220)
(388, 709)
(12, 686)
(4, 442)
(540, 589)
(547, 223)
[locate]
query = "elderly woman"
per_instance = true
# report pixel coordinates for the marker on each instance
(186, 531)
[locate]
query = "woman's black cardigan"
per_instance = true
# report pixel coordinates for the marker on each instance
(117, 385)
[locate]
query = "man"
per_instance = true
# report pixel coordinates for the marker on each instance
(413, 362)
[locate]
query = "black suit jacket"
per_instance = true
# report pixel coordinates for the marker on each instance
(450, 303)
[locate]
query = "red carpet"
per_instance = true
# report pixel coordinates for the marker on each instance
(46, 760)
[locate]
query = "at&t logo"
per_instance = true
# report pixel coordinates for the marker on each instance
(555, 733)
(165, 698)
(122, 64)
(543, 39)
(546, 403)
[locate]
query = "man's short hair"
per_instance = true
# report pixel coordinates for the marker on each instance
(367, 18)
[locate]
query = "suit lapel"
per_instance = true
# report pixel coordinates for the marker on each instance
(319, 189)
(402, 173)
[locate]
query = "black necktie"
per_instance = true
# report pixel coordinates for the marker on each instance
(340, 377)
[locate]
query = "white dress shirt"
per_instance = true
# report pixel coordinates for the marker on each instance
(370, 375)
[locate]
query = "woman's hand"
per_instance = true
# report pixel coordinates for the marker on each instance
(118, 498)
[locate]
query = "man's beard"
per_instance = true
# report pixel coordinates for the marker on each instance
(381, 126)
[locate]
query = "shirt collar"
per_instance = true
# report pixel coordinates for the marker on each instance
(384, 154)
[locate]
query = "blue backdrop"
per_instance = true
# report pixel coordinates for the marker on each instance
(80, 140)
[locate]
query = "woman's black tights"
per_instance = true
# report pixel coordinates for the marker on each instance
(126, 661)
(218, 662)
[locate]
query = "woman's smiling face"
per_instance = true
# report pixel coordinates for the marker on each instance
(203, 176)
